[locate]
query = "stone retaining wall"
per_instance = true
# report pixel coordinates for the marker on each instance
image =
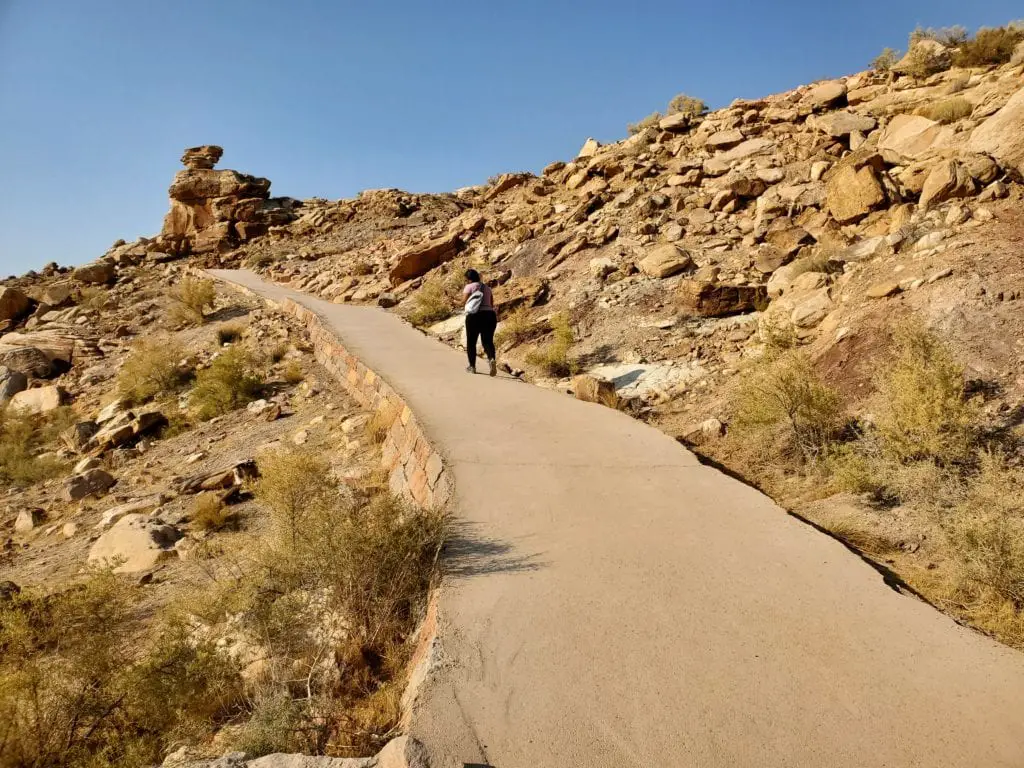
(416, 471)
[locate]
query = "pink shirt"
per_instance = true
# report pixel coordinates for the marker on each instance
(487, 305)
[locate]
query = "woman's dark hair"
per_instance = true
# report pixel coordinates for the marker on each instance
(473, 276)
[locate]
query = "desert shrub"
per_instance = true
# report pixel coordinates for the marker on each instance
(434, 301)
(22, 437)
(379, 423)
(948, 110)
(886, 60)
(153, 368)
(81, 685)
(786, 390)
(958, 85)
(230, 382)
(210, 514)
(990, 46)
(553, 356)
(190, 299)
(687, 105)
(651, 121)
(516, 327)
(924, 62)
(229, 334)
(987, 533)
(923, 413)
(357, 573)
(851, 529)
(948, 36)
(292, 373)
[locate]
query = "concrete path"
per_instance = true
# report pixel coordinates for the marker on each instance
(614, 603)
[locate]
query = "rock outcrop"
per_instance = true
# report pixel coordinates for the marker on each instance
(214, 211)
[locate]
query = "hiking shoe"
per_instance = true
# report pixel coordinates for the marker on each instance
(470, 369)
(494, 368)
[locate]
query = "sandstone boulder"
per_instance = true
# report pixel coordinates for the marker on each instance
(520, 292)
(947, 181)
(39, 400)
(11, 383)
(589, 148)
(27, 360)
(839, 124)
(725, 139)
(788, 240)
(718, 300)
(417, 261)
(1002, 137)
(910, 135)
(96, 273)
(679, 122)
(853, 193)
(89, 483)
(135, 543)
(665, 260)
(28, 519)
(59, 295)
(591, 389)
(13, 304)
(202, 158)
(825, 95)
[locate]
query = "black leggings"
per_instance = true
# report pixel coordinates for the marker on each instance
(480, 325)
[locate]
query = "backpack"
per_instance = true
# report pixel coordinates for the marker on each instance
(475, 300)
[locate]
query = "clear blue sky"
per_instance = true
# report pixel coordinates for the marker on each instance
(328, 97)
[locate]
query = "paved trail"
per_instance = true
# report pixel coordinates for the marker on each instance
(615, 603)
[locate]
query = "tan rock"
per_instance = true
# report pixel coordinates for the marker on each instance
(96, 273)
(748, 148)
(842, 123)
(825, 95)
(13, 303)
(202, 158)
(520, 292)
(679, 122)
(419, 260)
(134, 544)
(810, 311)
(881, 290)
(591, 389)
(89, 483)
(29, 519)
(853, 193)
(910, 135)
(1001, 135)
(788, 240)
(39, 400)
(718, 300)
(589, 148)
(725, 139)
(665, 260)
(947, 181)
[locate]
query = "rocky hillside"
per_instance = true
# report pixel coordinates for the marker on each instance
(819, 291)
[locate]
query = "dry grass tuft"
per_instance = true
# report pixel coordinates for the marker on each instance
(947, 111)
(23, 438)
(210, 514)
(886, 60)
(651, 121)
(989, 47)
(553, 357)
(435, 300)
(229, 334)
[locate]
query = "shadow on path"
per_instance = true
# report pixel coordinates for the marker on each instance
(467, 553)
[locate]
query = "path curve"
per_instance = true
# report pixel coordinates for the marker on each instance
(615, 603)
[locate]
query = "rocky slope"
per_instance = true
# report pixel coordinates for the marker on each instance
(667, 267)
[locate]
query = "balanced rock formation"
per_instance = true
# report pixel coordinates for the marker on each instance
(214, 211)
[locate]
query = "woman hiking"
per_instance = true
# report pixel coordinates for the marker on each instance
(481, 320)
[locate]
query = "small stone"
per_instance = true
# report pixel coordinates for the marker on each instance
(69, 530)
(28, 519)
(882, 290)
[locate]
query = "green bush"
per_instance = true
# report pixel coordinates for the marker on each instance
(786, 390)
(190, 299)
(230, 382)
(153, 368)
(989, 47)
(22, 437)
(924, 414)
(687, 105)
(651, 121)
(553, 357)
(886, 60)
(434, 301)
(81, 685)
